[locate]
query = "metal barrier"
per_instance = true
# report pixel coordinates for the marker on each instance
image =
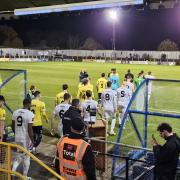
(130, 167)
(6, 156)
(134, 169)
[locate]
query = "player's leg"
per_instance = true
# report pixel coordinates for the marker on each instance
(119, 112)
(106, 117)
(18, 157)
(17, 161)
(113, 123)
(38, 131)
(26, 164)
(60, 129)
(99, 98)
(34, 133)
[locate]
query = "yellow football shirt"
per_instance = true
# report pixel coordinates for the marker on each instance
(2, 114)
(60, 97)
(101, 84)
(38, 108)
(80, 85)
(90, 86)
(82, 92)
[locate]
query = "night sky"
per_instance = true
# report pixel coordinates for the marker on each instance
(139, 30)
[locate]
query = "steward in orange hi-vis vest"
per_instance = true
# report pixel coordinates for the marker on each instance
(71, 153)
(75, 159)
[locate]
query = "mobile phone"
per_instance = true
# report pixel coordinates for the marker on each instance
(153, 137)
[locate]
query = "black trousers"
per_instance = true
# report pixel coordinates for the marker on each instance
(37, 130)
(99, 96)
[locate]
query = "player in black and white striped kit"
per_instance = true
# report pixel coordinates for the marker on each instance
(90, 108)
(123, 97)
(109, 106)
(59, 111)
(22, 121)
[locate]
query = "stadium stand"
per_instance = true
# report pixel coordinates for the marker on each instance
(133, 57)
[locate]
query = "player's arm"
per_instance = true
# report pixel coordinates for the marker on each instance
(102, 100)
(97, 86)
(55, 102)
(13, 122)
(114, 104)
(99, 112)
(92, 95)
(30, 132)
(118, 82)
(53, 116)
(105, 84)
(44, 115)
(78, 93)
(133, 88)
(13, 125)
(2, 124)
(118, 95)
(3, 115)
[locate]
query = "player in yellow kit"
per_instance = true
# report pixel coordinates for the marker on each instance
(39, 110)
(101, 85)
(60, 96)
(81, 95)
(2, 117)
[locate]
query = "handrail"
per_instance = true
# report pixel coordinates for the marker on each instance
(12, 172)
(33, 157)
(118, 144)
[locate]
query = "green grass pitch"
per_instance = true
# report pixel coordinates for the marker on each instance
(49, 76)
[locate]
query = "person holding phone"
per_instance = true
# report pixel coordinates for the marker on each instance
(167, 155)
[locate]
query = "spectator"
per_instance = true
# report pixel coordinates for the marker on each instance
(129, 74)
(74, 111)
(167, 155)
(75, 159)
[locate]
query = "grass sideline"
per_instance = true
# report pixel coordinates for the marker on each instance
(49, 76)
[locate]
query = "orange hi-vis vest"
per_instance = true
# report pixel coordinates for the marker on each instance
(71, 152)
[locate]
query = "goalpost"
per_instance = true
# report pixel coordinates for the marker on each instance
(154, 101)
(13, 88)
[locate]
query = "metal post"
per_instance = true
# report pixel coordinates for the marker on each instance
(146, 114)
(114, 40)
(114, 37)
(25, 83)
(9, 162)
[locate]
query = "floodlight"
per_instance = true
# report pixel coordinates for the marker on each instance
(113, 15)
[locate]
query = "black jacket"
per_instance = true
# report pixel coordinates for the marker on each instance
(72, 112)
(87, 161)
(129, 74)
(166, 157)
